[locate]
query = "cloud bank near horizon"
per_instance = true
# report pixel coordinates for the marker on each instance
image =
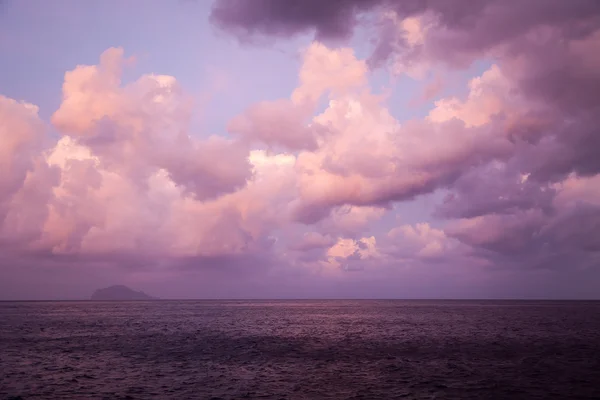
(306, 192)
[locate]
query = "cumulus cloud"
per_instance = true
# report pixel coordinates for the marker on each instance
(307, 186)
(25, 179)
(545, 57)
(513, 155)
(127, 177)
(420, 241)
(143, 126)
(562, 232)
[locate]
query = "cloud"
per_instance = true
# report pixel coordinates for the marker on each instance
(562, 234)
(126, 178)
(430, 91)
(275, 123)
(25, 179)
(313, 240)
(332, 19)
(143, 126)
(496, 188)
(456, 28)
(306, 188)
(371, 159)
(350, 220)
(352, 255)
(559, 83)
(420, 241)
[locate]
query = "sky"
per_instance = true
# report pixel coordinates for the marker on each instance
(300, 149)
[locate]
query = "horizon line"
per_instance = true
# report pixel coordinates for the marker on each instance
(302, 299)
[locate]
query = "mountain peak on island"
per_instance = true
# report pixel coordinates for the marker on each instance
(120, 292)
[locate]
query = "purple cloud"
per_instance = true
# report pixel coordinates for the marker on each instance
(306, 192)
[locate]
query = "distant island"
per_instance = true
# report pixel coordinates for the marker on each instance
(120, 292)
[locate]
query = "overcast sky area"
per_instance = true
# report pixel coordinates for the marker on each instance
(300, 148)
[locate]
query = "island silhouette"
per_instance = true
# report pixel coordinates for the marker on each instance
(120, 292)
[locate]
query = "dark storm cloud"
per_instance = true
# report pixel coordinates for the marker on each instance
(330, 19)
(489, 21)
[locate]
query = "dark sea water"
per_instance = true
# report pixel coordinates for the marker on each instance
(300, 350)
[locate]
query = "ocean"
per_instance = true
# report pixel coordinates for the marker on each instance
(331, 349)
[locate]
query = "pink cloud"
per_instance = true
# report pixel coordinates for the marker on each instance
(420, 241)
(305, 188)
(144, 126)
(276, 123)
